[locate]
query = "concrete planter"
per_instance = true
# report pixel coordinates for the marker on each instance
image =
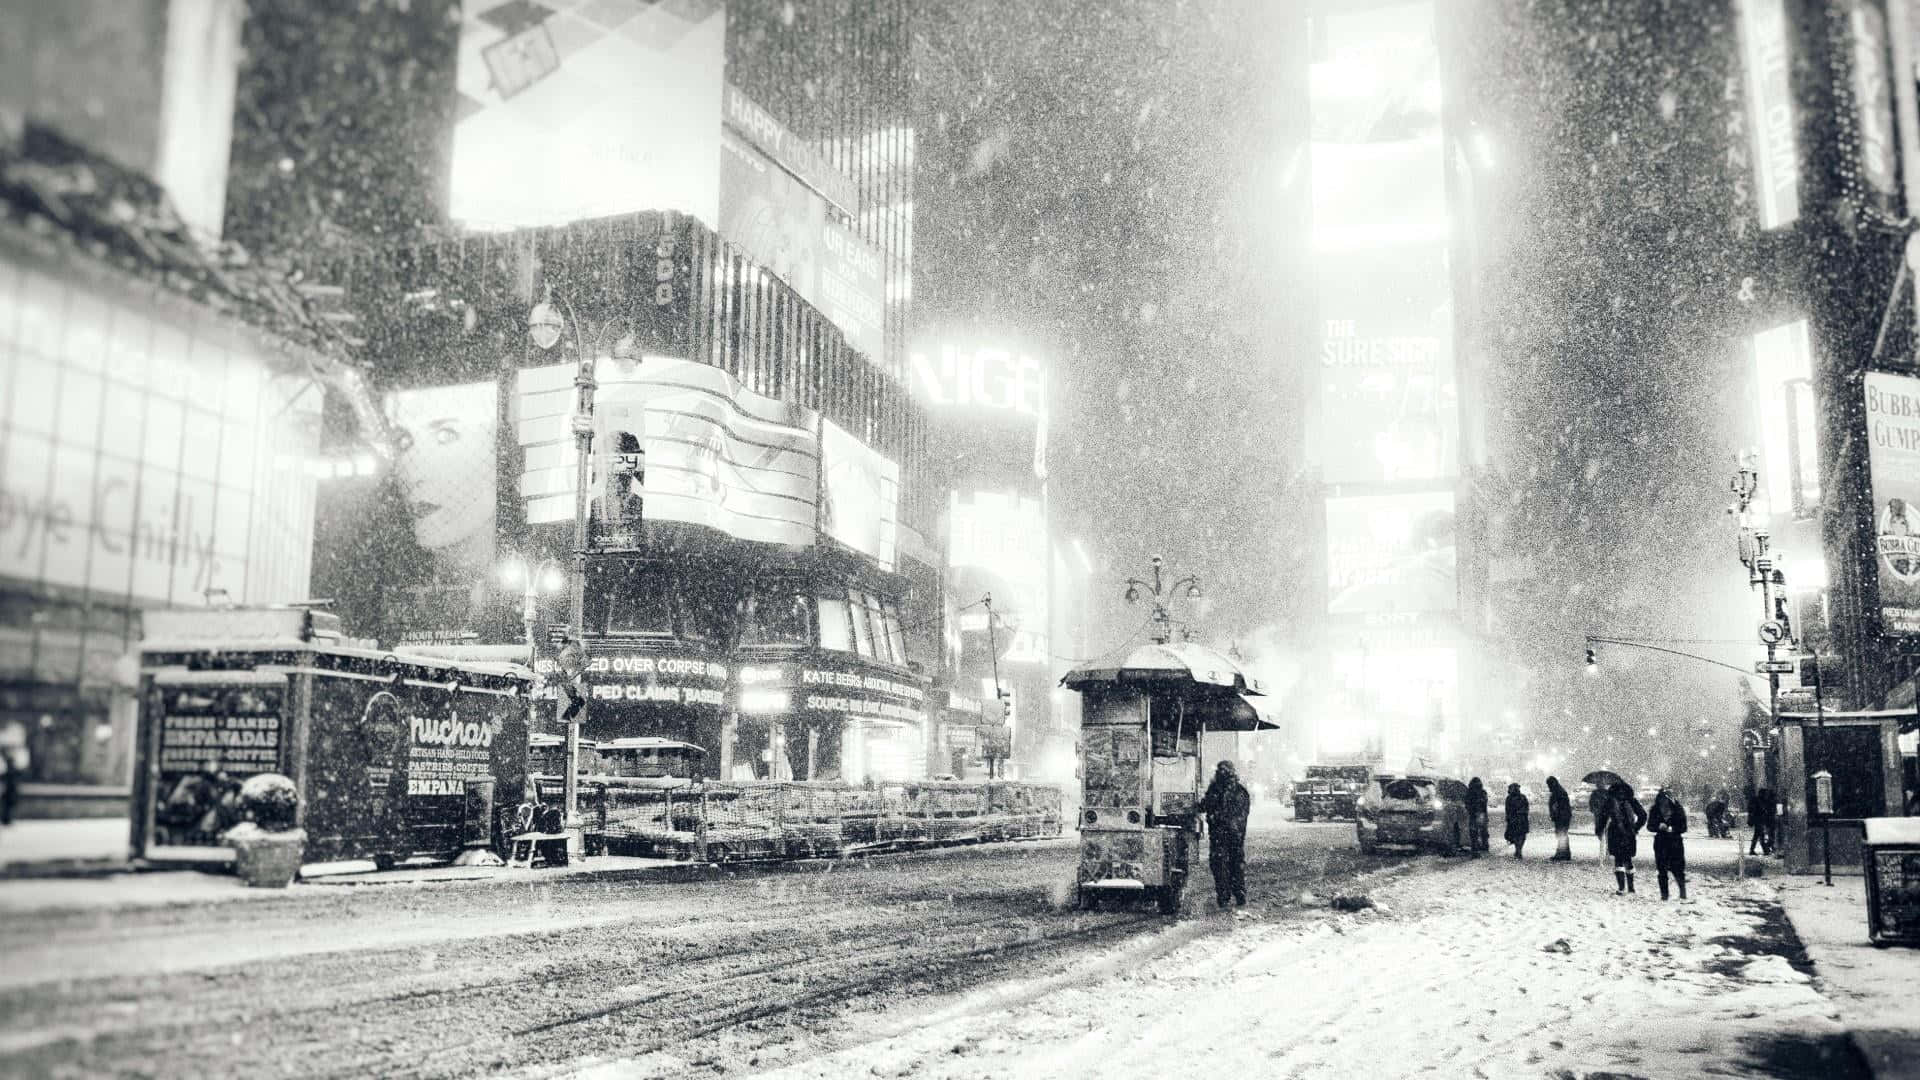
(267, 860)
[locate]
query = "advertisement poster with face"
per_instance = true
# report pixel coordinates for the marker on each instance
(445, 467)
(1893, 464)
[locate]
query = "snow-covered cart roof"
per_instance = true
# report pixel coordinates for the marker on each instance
(1182, 661)
(1203, 673)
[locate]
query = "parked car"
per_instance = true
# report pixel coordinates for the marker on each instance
(1416, 811)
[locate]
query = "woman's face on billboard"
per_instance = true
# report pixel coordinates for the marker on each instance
(446, 462)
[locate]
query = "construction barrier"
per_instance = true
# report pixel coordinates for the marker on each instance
(721, 821)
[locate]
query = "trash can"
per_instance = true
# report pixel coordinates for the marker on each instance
(1891, 854)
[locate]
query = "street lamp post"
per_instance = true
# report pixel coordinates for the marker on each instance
(1759, 563)
(1162, 595)
(543, 325)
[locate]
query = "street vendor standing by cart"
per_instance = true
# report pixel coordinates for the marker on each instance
(1227, 805)
(1142, 723)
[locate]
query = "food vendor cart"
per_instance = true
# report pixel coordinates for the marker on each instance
(1141, 767)
(389, 753)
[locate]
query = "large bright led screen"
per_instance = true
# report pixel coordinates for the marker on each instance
(717, 454)
(572, 111)
(1388, 553)
(862, 495)
(1790, 466)
(148, 458)
(1389, 400)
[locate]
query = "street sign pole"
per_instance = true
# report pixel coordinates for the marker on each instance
(1820, 726)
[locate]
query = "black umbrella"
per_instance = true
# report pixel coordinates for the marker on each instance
(1603, 778)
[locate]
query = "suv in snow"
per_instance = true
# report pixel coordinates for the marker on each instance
(1419, 811)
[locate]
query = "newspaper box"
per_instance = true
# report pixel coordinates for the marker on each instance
(1892, 858)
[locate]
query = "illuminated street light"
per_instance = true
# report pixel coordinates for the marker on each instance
(1162, 594)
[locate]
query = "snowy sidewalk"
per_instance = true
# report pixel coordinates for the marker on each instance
(1487, 968)
(1876, 990)
(62, 844)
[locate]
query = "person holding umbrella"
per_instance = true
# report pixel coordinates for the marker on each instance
(1602, 781)
(1625, 817)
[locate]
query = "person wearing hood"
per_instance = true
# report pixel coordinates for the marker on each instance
(1717, 814)
(1760, 814)
(1517, 824)
(1560, 809)
(1476, 816)
(1624, 819)
(1226, 805)
(1667, 821)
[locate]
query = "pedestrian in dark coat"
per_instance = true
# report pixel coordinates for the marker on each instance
(1517, 823)
(1760, 817)
(1560, 809)
(1597, 806)
(1476, 816)
(1226, 805)
(1625, 817)
(1667, 821)
(1717, 814)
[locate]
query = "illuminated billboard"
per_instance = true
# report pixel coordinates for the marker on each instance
(1377, 150)
(1394, 701)
(1769, 88)
(1893, 465)
(148, 458)
(1389, 400)
(1391, 553)
(777, 200)
(1003, 534)
(1783, 373)
(990, 386)
(446, 469)
(581, 111)
(717, 454)
(861, 495)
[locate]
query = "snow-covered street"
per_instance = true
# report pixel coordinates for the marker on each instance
(1493, 968)
(953, 963)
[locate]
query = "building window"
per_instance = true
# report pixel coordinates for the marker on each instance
(862, 627)
(836, 631)
(778, 613)
(631, 600)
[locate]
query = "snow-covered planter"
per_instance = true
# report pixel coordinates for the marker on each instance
(267, 848)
